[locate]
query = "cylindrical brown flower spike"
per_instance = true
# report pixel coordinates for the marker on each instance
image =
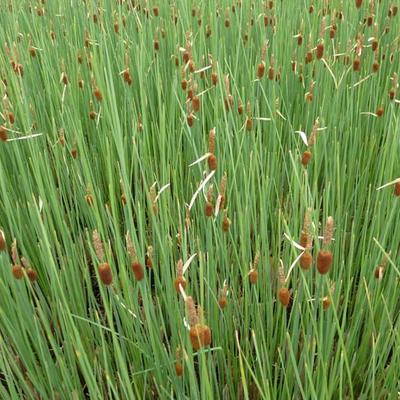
(178, 362)
(306, 242)
(3, 134)
(180, 280)
(325, 256)
(253, 273)
(284, 296)
(209, 208)
(17, 271)
(226, 222)
(222, 300)
(306, 157)
(200, 334)
(137, 269)
(105, 273)
(396, 191)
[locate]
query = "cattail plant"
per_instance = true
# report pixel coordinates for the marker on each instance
(326, 301)
(358, 3)
(324, 258)
(199, 333)
(104, 268)
(271, 68)
(212, 159)
(30, 272)
(228, 101)
(178, 362)
(380, 269)
(306, 242)
(284, 295)
(253, 273)
(222, 298)
(249, 119)
(261, 65)
(89, 197)
(180, 280)
(214, 75)
(209, 208)
(149, 257)
(222, 189)
(3, 133)
(396, 190)
(17, 270)
(226, 222)
(126, 72)
(379, 111)
(307, 155)
(136, 266)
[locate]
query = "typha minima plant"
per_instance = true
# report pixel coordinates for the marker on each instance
(379, 111)
(261, 65)
(199, 332)
(149, 257)
(307, 155)
(222, 297)
(209, 208)
(228, 101)
(126, 75)
(284, 295)
(249, 118)
(214, 75)
(253, 273)
(3, 133)
(104, 269)
(30, 272)
(226, 222)
(17, 269)
(306, 242)
(271, 68)
(396, 190)
(178, 362)
(136, 265)
(180, 280)
(212, 159)
(325, 257)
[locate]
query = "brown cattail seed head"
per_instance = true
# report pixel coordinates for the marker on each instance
(17, 271)
(284, 296)
(200, 336)
(356, 64)
(306, 157)
(74, 152)
(328, 231)
(222, 302)
(226, 223)
(196, 103)
(2, 241)
(306, 260)
(326, 303)
(89, 199)
(375, 66)
(32, 274)
(358, 3)
(208, 209)
(190, 120)
(324, 261)
(105, 273)
(320, 50)
(178, 368)
(214, 78)
(212, 162)
(240, 109)
(396, 191)
(253, 276)
(379, 111)
(260, 70)
(3, 134)
(180, 281)
(97, 94)
(137, 270)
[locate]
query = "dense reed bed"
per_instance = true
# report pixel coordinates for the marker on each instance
(199, 199)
